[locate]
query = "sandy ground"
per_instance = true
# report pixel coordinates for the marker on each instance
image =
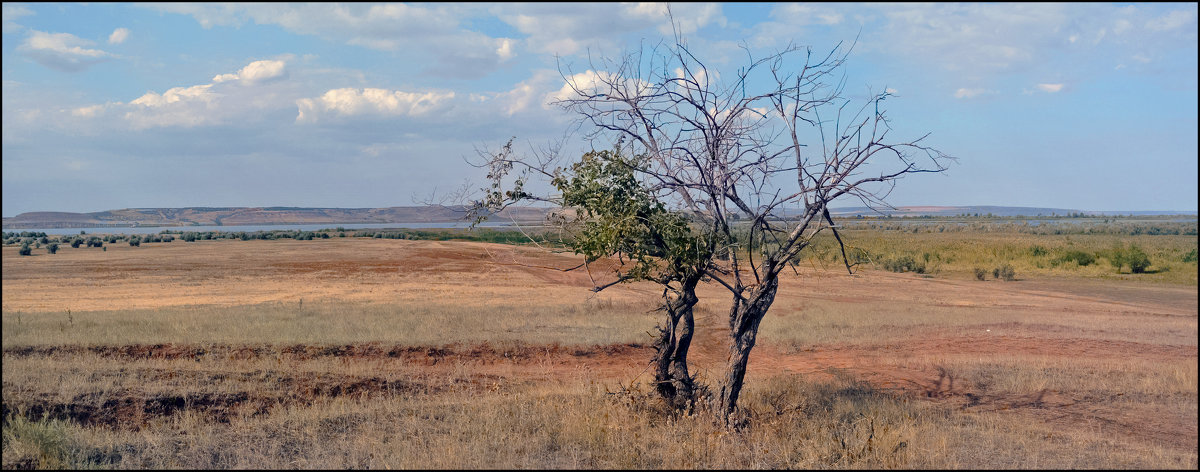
(398, 271)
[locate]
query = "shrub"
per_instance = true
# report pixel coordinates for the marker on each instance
(1037, 251)
(904, 263)
(1137, 259)
(1133, 256)
(1079, 257)
(1190, 257)
(189, 236)
(980, 274)
(25, 250)
(76, 242)
(135, 241)
(1005, 272)
(52, 248)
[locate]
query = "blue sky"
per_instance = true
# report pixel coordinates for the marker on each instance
(107, 106)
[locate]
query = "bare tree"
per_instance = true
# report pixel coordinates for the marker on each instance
(752, 159)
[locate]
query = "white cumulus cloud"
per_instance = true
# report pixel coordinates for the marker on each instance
(212, 103)
(87, 112)
(256, 72)
(118, 36)
(176, 95)
(62, 51)
(373, 101)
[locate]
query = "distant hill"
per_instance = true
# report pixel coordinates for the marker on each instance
(987, 210)
(231, 216)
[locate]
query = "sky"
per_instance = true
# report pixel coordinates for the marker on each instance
(108, 106)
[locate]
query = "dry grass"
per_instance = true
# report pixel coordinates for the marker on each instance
(512, 368)
(814, 322)
(577, 322)
(957, 254)
(795, 424)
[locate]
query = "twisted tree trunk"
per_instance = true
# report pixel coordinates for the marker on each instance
(744, 318)
(672, 379)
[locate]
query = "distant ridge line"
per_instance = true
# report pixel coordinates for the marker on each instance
(232, 216)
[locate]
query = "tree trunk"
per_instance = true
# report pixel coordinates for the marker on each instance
(744, 318)
(672, 380)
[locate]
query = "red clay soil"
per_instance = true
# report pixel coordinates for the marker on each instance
(455, 264)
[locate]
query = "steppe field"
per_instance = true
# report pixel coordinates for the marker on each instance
(393, 353)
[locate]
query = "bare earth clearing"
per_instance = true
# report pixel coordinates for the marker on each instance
(1056, 353)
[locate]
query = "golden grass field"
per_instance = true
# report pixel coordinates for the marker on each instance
(384, 353)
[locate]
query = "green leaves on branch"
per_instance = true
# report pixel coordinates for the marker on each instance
(617, 216)
(495, 198)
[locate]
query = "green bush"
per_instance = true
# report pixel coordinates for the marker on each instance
(76, 242)
(52, 248)
(25, 250)
(1133, 256)
(1116, 257)
(1190, 256)
(135, 241)
(1137, 259)
(904, 263)
(1079, 257)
